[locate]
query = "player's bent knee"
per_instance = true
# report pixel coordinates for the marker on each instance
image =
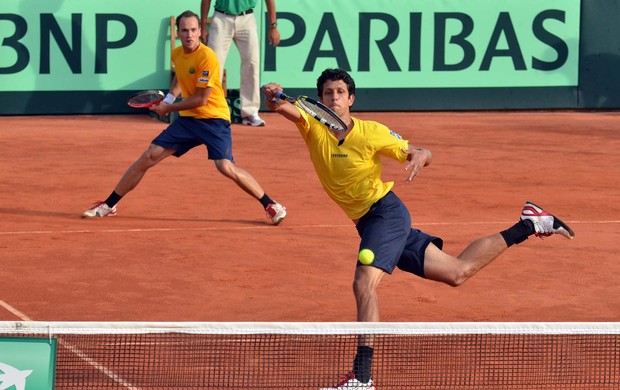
(146, 161)
(226, 168)
(363, 287)
(366, 280)
(456, 282)
(153, 155)
(459, 278)
(359, 287)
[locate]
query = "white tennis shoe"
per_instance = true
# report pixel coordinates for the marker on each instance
(276, 212)
(99, 209)
(350, 383)
(253, 120)
(545, 224)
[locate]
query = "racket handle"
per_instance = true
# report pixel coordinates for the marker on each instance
(281, 95)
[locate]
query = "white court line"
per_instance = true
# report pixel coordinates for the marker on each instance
(13, 310)
(213, 228)
(73, 349)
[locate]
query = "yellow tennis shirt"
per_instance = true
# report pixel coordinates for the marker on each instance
(201, 69)
(351, 172)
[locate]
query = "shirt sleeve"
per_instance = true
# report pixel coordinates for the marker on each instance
(206, 69)
(304, 125)
(390, 144)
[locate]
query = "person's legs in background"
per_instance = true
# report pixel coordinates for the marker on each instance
(246, 39)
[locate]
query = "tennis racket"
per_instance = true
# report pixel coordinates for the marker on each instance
(146, 99)
(317, 110)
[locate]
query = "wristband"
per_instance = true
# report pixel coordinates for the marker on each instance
(170, 98)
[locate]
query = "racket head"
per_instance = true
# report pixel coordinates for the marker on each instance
(145, 99)
(322, 113)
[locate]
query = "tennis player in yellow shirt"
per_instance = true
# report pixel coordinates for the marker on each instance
(348, 165)
(204, 119)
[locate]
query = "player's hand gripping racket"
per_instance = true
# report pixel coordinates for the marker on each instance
(146, 99)
(317, 110)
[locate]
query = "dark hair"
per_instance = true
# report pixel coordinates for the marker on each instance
(335, 74)
(186, 14)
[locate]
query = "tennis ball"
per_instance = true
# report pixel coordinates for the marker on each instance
(366, 256)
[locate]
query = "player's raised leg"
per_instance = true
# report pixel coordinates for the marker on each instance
(454, 271)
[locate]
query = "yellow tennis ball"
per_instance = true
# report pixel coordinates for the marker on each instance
(366, 256)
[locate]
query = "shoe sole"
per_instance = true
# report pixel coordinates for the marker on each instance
(277, 222)
(571, 234)
(110, 214)
(97, 216)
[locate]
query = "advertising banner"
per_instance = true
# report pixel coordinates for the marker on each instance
(27, 363)
(112, 45)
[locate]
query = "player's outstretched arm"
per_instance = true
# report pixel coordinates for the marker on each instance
(417, 158)
(282, 107)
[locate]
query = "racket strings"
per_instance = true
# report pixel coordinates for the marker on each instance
(146, 97)
(324, 114)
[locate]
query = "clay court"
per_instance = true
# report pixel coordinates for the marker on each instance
(188, 245)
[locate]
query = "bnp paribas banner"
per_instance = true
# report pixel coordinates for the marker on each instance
(27, 363)
(429, 43)
(87, 45)
(51, 45)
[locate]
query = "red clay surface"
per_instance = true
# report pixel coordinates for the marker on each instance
(188, 245)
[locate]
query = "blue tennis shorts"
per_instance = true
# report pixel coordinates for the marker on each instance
(186, 133)
(386, 230)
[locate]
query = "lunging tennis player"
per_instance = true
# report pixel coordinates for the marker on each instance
(348, 165)
(204, 120)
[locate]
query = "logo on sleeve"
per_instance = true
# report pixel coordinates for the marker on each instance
(205, 77)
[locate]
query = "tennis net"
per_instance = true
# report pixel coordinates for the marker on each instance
(137, 355)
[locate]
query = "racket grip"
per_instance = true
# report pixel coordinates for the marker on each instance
(280, 96)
